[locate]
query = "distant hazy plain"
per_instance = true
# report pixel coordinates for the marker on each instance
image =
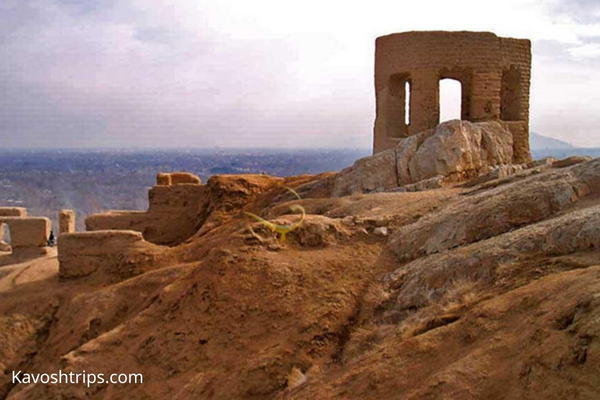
(93, 181)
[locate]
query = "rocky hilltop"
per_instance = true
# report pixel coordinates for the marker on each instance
(438, 269)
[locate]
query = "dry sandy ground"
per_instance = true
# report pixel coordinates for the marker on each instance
(482, 293)
(20, 273)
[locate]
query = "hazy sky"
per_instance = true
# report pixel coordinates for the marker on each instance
(179, 73)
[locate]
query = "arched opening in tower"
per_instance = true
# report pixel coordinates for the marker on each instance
(407, 102)
(450, 99)
(398, 106)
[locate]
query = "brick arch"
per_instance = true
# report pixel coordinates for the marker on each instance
(465, 77)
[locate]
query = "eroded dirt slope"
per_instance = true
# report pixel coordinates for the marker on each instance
(485, 292)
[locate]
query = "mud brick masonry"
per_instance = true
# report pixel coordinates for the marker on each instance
(494, 73)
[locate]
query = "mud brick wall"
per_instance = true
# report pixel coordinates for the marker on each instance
(494, 73)
(66, 221)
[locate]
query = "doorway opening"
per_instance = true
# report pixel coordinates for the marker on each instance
(398, 106)
(450, 99)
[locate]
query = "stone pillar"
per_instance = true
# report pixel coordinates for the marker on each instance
(163, 179)
(395, 112)
(379, 132)
(485, 96)
(390, 119)
(424, 101)
(520, 134)
(66, 221)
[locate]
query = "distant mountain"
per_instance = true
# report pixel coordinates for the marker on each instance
(542, 146)
(540, 142)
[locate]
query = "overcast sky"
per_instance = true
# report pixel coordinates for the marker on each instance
(239, 73)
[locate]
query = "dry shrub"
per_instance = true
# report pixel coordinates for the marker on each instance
(375, 295)
(461, 292)
(295, 378)
(365, 339)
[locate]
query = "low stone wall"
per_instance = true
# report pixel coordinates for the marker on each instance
(13, 212)
(177, 178)
(28, 235)
(118, 220)
(118, 253)
(27, 232)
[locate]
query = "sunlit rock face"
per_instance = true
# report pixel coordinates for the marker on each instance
(455, 150)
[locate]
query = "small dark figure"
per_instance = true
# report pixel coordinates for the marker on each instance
(51, 239)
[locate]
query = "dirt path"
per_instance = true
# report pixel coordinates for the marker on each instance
(29, 271)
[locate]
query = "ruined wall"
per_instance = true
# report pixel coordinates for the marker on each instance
(494, 73)
(66, 221)
(13, 212)
(177, 178)
(9, 212)
(28, 234)
(172, 215)
(121, 244)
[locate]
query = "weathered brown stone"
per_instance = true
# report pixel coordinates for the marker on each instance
(13, 212)
(176, 212)
(28, 232)
(163, 179)
(498, 210)
(172, 215)
(569, 161)
(66, 221)
(459, 149)
(368, 174)
(544, 162)
(177, 178)
(454, 151)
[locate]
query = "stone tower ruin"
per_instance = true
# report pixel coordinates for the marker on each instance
(494, 73)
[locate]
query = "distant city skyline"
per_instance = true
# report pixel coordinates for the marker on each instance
(189, 73)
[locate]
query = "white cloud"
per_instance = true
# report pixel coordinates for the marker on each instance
(242, 73)
(586, 51)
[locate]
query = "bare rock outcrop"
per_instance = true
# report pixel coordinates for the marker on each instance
(319, 231)
(223, 317)
(495, 211)
(430, 277)
(455, 150)
(314, 231)
(569, 161)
